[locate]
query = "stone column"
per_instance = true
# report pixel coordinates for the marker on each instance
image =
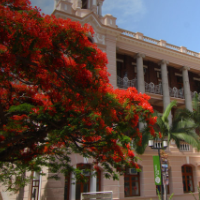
(93, 184)
(140, 73)
(140, 78)
(100, 8)
(72, 192)
(186, 87)
(165, 87)
(110, 42)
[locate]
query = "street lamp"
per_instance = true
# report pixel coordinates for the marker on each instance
(159, 144)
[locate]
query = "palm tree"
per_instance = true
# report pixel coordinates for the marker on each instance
(194, 115)
(182, 128)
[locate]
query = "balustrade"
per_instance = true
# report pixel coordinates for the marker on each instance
(129, 33)
(184, 147)
(192, 53)
(157, 42)
(152, 88)
(177, 93)
(126, 83)
(151, 40)
(193, 94)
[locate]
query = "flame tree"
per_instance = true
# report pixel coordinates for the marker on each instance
(56, 99)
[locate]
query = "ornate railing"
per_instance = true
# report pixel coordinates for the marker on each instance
(126, 83)
(184, 147)
(152, 88)
(151, 40)
(129, 33)
(193, 94)
(177, 93)
(157, 42)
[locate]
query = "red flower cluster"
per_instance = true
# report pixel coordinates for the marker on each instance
(54, 81)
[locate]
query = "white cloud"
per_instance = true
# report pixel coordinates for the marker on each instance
(47, 6)
(125, 10)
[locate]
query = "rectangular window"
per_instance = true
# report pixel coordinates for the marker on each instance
(131, 185)
(84, 4)
(187, 176)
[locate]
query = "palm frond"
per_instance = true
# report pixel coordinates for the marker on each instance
(187, 138)
(167, 111)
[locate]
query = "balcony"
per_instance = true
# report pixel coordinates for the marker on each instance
(125, 83)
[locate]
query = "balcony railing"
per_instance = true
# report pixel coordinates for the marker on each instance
(126, 83)
(177, 93)
(152, 88)
(184, 147)
(107, 195)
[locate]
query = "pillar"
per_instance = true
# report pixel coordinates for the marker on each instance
(186, 87)
(100, 8)
(140, 78)
(72, 191)
(93, 183)
(140, 73)
(111, 55)
(165, 87)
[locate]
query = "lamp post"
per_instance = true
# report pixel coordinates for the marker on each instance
(158, 144)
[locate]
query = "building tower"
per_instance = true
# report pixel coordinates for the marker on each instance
(74, 6)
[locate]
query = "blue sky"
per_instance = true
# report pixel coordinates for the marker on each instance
(175, 21)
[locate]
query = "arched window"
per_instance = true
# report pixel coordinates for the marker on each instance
(187, 175)
(84, 4)
(131, 183)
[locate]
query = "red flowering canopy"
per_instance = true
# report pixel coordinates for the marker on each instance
(55, 96)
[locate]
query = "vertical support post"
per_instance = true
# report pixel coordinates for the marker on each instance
(186, 87)
(140, 78)
(100, 8)
(140, 73)
(161, 175)
(165, 87)
(72, 192)
(93, 183)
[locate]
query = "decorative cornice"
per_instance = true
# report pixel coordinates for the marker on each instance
(163, 62)
(139, 55)
(185, 68)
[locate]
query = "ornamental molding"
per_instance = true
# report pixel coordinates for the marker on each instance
(185, 68)
(151, 50)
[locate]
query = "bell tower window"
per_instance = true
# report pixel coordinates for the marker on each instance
(84, 4)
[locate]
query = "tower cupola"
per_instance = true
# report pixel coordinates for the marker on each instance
(89, 5)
